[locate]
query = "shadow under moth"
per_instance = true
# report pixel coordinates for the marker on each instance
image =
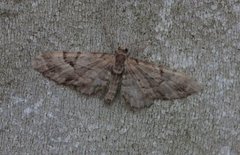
(140, 82)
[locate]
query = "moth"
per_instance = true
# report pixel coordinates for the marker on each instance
(140, 82)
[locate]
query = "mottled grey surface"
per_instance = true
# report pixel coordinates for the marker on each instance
(201, 38)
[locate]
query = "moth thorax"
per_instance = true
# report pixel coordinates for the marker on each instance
(119, 63)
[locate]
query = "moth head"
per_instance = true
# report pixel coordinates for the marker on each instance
(122, 51)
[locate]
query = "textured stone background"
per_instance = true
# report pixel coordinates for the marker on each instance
(199, 37)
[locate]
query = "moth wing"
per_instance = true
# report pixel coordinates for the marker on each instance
(88, 72)
(144, 82)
